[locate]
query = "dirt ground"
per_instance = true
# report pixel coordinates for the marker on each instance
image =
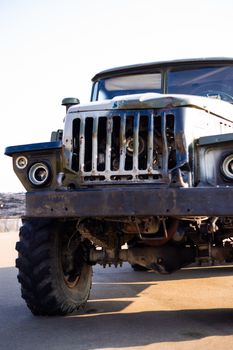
(191, 309)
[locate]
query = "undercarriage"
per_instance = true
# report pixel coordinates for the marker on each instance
(158, 243)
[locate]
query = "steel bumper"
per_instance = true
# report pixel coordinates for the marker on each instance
(133, 201)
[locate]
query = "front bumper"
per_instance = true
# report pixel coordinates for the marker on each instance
(131, 201)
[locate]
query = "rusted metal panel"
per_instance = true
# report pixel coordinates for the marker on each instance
(139, 200)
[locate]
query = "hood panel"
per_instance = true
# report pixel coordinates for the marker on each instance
(159, 101)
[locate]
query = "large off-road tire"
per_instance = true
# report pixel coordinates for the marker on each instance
(54, 276)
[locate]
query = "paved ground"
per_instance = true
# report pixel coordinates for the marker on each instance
(192, 309)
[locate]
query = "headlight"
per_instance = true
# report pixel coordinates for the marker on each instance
(39, 174)
(21, 162)
(227, 167)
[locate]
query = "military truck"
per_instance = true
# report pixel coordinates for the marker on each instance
(143, 173)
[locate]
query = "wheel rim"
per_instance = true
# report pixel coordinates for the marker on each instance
(72, 261)
(71, 284)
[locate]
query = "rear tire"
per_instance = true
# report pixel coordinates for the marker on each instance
(54, 276)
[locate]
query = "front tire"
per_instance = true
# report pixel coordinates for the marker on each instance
(54, 275)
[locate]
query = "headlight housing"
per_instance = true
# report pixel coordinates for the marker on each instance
(227, 167)
(21, 162)
(39, 174)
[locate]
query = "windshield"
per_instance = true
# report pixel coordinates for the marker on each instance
(128, 85)
(214, 82)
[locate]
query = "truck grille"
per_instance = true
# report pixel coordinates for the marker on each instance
(123, 146)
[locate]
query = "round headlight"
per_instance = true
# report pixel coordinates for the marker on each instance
(227, 167)
(39, 174)
(21, 162)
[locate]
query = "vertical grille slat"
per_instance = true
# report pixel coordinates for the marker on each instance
(150, 144)
(82, 144)
(108, 144)
(164, 141)
(136, 140)
(94, 144)
(123, 142)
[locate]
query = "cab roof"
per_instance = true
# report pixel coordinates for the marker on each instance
(160, 66)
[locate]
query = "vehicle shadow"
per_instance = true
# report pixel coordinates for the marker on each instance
(121, 330)
(106, 322)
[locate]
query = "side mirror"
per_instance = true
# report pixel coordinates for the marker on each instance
(70, 101)
(56, 135)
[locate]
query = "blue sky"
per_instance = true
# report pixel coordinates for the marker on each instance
(50, 49)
